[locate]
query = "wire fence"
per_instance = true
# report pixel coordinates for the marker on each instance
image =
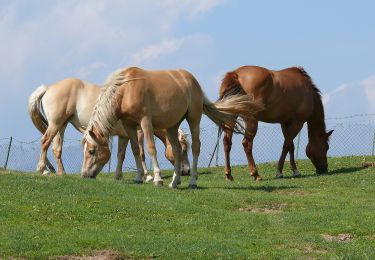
(349, 138)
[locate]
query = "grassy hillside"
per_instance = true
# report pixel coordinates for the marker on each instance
(331, 216)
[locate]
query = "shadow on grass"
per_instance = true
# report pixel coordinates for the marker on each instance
(267, 188)
(346, 170)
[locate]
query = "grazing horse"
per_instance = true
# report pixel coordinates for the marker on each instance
(155, 100)
(72, 101)
(290, 98)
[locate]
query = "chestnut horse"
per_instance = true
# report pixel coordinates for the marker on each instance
(290, 98)
(72, 101)
(154, 100)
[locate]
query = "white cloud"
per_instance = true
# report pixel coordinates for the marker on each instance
(45, 41)
(327, 96)
(155, 51)
(68, 37)
(191, 7)
(351, 98)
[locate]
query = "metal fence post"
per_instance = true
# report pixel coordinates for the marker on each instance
(298, 141)
(217, 152)
(10, 145)
(373, 145)
(110, 159)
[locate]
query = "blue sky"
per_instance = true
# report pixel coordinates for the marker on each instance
(46, 41)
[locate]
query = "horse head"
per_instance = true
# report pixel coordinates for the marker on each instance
(96, 154)
(316, 151)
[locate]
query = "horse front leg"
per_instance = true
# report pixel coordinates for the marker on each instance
(131, 130)
(290, 131)
(247, 143)
(147, 129)
(121, 150)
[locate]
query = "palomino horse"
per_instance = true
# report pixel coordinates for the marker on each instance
(154, 100)
(291, 99)
(72, 101)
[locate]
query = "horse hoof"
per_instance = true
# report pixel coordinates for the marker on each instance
(45, 172)
(279, 176)
(229, 177)
(193, 186)
(149, 178)
(258, 178)
(158, 183)
(173, 186)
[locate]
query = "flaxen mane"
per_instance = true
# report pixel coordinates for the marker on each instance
(104, 116)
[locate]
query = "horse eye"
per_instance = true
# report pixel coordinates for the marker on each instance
(92, 151)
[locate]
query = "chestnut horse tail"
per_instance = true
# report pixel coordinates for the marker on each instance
(225, 112)
(36, 110)
(231, 86)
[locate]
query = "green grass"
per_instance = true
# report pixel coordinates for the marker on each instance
(51, 216)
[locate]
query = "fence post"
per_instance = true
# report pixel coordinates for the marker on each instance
(219, 132)
(373, 145)
(298, 141)
(110, 158)
(217, 152)
(10, 145)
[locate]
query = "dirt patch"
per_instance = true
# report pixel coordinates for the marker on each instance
(268, 209)
(297, 193)
(96, 255)
(368, 164)
(309, 249)
(345, 237)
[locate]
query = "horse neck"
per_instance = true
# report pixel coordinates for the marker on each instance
(315, 124)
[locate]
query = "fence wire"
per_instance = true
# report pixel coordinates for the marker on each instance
(347, 139)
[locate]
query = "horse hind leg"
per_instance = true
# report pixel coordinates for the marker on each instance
(45, 143)
(57, 149)
(172, 135)
(195, 148)
(227, 143)
(247, 143)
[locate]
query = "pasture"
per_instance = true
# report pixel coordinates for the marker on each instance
(328, 216)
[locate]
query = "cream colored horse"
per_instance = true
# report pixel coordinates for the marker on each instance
(155, 100)
(72, 101)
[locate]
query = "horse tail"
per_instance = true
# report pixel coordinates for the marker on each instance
(36, 110)
(225, 111)
(230, 85)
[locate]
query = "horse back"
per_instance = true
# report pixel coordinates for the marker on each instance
(70, 99)
(164, 95)
(286, 94)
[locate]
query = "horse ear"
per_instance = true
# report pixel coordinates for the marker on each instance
(92, 134)
(329, 133)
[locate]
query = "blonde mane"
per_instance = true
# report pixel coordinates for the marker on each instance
(104, 117)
